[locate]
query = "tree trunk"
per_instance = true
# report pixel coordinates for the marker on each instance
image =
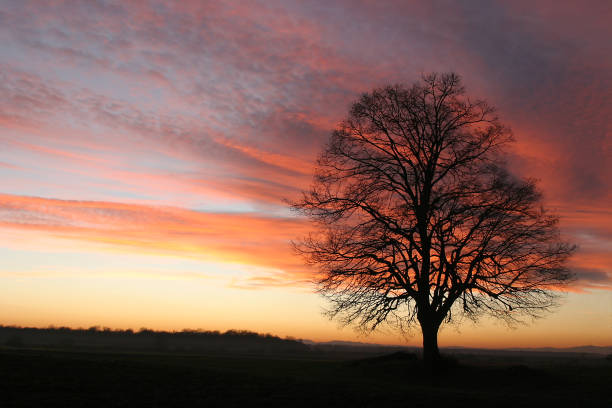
(431, 353)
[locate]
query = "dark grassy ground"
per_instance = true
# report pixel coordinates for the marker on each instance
(56, 378)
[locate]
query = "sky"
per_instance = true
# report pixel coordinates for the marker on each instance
(148, 149)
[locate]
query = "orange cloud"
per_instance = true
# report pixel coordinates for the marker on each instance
(254, 240)
(249, 239)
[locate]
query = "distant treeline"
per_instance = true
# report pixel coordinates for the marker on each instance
(234, 341)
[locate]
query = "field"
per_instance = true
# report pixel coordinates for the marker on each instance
(44, 377)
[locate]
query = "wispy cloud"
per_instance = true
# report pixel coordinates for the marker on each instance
(250, 239)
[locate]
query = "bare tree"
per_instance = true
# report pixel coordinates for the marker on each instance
(418, 221)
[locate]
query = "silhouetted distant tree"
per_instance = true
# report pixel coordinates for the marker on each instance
(418, 221)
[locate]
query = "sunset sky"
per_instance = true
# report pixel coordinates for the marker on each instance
(148, 148)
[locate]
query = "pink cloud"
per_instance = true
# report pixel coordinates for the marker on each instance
(252, 239)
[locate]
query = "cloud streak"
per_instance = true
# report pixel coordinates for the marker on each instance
(249, 239)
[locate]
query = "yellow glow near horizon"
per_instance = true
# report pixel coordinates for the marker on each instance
(141, 299)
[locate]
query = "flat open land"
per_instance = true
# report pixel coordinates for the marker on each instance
(67, 378)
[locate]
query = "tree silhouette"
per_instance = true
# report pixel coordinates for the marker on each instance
(417, 220)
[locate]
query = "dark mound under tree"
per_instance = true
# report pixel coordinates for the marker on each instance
(416, 219)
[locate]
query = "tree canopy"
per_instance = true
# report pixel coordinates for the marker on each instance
(418, 220)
